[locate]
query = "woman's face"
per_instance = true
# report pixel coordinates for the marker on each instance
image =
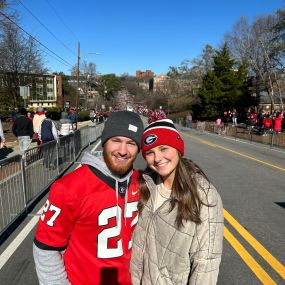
(163, 159)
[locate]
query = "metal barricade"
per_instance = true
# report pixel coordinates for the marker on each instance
(65, 152)
(12, 194)
(41, 168)
(241, 131)
(84, 137)
(24, 178)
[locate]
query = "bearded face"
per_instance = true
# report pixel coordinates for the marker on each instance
(119, 154)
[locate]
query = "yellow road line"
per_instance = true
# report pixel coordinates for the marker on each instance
(248, 259)
(238, 153)
(268, 257)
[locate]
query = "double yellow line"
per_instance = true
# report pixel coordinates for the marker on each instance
(241, 154)
(260, 273)
(247, 258)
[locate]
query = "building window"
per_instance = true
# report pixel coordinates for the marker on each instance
(49, 81)
(39, 90)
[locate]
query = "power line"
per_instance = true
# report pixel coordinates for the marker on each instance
(62, 20)
(46, 28)
(55, 58)
(63, 60)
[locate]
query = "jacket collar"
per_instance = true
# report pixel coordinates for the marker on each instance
(150, 179)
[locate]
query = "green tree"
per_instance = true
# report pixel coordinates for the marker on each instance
(173, 72)
(132, 85)
(244, 100)
(224, 86)
(211, 94)
(108, 85)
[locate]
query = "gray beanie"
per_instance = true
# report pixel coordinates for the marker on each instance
(123, 123)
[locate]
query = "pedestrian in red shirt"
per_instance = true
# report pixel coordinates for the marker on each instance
(267, 124)
(85, 230)
(277, 123)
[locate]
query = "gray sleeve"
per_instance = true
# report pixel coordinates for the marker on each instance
(1, 132)
(50, 267)
(54, 131)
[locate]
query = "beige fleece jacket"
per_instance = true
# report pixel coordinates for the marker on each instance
(162, 254)
(37, 122)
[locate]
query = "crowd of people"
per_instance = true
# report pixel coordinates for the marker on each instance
(39, 126)
(98, 116)
(262, 121)
(265, 122)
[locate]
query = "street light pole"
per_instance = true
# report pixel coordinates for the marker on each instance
(78, 64)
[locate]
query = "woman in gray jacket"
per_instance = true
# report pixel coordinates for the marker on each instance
(179, 235)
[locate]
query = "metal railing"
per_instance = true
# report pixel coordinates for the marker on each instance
(24, 178)
(243, 131)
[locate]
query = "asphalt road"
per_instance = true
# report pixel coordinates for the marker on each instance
(250, 179)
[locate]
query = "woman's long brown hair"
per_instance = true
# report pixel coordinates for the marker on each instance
(184, 192)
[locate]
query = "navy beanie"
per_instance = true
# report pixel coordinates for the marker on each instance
(123, 123)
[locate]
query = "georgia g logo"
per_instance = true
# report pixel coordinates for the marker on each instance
(150, 139)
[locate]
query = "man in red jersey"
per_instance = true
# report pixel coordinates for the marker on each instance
(85, 230)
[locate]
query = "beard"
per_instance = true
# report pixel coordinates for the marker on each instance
(119, 170)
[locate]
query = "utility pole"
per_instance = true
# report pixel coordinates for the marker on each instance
(78, 64)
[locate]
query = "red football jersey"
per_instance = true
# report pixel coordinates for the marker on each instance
(83, 216)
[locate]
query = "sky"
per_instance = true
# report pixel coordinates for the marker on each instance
(125, 36)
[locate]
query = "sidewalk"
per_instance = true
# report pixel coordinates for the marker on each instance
(13, 146)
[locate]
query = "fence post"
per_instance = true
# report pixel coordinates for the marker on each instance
(250, 134)
(24, 180)
(272, 139)
(74, 154)
(89, 136)
(57, 155)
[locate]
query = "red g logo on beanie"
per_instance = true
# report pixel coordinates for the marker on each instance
(150, 139)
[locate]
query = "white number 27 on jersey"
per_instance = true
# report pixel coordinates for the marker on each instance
(102, 249)
(50, 207)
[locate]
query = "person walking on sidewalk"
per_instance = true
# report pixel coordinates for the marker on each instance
(65, 125)
(92, 115)
(179, 236)
(72, 115)
(47, 134)
(234, 117)
(37, 119)
(277, 123)
(85, 230)
(189, 120)
(267, 124)
(23, 130)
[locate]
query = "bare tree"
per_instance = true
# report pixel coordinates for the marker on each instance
(254, 44)
(205, 61)
(33, 61)
(18, 54)
(88, 68)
